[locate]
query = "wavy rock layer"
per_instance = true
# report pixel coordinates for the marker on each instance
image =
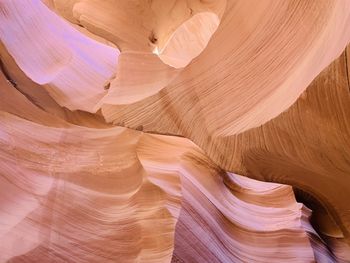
(239, 82)
(75, 189)
(66, 198)
(260, 52)
(83, 195)
(308, 146)
(239, 226)
(229, 88)
(75, 194)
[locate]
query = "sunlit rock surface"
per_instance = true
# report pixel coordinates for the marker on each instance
(128, 131)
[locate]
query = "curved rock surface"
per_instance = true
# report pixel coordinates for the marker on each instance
(73, 67)
(66, 198)
(119, 122)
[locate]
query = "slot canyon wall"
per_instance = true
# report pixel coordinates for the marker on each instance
(174, 131)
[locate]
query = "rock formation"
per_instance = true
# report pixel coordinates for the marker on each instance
(136, 131)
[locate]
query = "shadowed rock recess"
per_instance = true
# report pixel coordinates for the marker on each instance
(174, 131)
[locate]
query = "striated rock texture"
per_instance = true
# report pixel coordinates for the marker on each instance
(76, 194)
(128, 131)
